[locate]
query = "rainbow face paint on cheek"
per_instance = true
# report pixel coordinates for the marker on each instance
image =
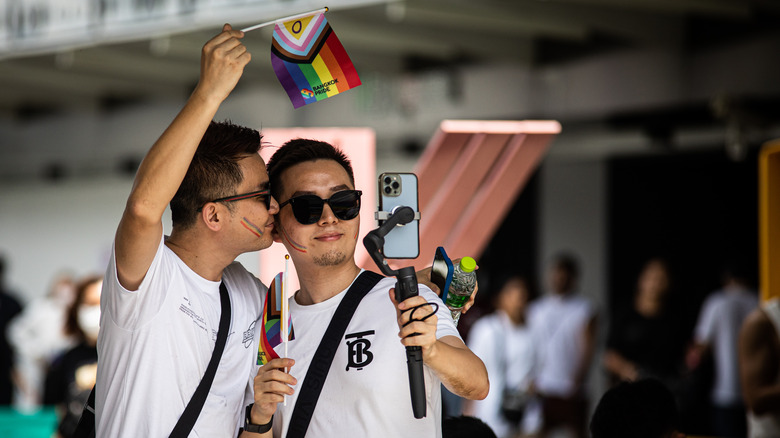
(254, 229)
(296, 246)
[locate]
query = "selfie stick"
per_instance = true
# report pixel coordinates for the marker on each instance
(405, 287)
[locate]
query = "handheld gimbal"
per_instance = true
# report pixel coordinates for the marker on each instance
(405, 287)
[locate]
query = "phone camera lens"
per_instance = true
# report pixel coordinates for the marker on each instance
(396, 185)
(388, 190)
(388, 180)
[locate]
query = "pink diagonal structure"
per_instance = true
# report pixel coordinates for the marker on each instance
(470, 175)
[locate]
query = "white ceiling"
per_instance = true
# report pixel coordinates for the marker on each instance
(393, 38)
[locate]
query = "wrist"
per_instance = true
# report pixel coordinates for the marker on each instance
(202, 96)
(257, 416)
(257, 422)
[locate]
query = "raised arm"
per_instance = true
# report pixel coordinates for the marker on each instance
(460, 370)
(222, 62)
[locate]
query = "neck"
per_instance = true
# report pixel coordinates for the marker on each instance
(199, 253)
(517, 318)
(320, 283)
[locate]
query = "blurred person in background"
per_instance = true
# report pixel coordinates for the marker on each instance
(72, 375)
(716, 336)
(503, 341)
(647, 339)
(759, 362)
(636, 409)
(9, 309)
(563, 325)
(38, 335)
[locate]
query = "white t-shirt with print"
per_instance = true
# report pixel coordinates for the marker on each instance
(366, 393)
(155, 344)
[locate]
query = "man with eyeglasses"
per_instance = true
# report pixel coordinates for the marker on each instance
(162, 297)
(366, 392)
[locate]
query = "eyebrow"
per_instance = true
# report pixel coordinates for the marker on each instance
(333, 189)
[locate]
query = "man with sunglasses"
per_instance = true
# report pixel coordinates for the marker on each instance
(366, 392)
(161, 303)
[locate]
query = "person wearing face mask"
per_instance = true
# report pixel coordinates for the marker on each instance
(72, 375)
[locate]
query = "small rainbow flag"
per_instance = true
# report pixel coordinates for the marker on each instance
(273, 309)
(310, 61)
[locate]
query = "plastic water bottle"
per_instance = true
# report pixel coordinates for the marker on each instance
(464, 280)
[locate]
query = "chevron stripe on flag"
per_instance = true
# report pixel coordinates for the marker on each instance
(310, 61)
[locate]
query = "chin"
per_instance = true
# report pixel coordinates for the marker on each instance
(330, 258)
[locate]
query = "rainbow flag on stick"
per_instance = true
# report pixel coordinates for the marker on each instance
(275, 311)
(310, 61)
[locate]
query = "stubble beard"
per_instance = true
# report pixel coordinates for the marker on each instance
(330, 258)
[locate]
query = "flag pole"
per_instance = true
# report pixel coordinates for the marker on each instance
(285, 312)
(283, 19)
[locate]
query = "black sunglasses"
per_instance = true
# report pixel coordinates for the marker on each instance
(307, 209)
(265, 194)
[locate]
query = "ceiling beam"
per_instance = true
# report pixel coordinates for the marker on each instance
(728, 8)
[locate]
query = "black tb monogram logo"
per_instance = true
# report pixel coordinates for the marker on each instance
(359, 356)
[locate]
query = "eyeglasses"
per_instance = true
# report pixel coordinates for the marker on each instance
(307, 209)
(264, 194)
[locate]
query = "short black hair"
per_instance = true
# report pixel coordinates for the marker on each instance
(465, 427)
(641, 409)
(301, 150)
(567, 262)
(214, 171)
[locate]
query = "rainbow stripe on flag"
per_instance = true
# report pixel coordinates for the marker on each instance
(272, 322)
(310, 61)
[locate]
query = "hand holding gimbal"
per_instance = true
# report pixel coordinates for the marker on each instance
(405, 287)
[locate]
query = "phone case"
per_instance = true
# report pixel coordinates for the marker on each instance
(441, 272)
(403, 242)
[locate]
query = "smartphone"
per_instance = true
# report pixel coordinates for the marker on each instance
(399, 190)
(441, 272)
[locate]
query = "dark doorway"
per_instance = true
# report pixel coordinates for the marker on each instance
(698, 209)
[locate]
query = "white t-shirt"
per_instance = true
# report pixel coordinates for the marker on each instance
(719, 323)
(558, 325)
(155, 344)
(366, 393)
(507, 352)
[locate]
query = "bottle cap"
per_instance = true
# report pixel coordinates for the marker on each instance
(467, 264)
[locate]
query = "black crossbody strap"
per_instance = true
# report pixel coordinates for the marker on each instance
(323, 357)
(192, 411)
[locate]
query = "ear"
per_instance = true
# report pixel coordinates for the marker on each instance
(211, 215)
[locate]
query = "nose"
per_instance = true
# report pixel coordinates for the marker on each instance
(327, 216)
(274, 208)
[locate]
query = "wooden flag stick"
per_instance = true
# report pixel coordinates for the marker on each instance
(285, 312)
(281, 20)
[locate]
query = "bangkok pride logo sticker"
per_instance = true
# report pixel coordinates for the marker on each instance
(306, 93)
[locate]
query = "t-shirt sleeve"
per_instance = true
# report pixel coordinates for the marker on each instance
(482, 341)
(128, 308)
(445, 326)
(705, 326)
